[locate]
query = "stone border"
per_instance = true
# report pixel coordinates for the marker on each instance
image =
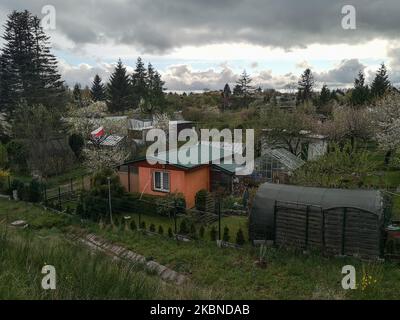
(119, 252)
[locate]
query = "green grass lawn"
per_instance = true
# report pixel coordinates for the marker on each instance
(215, 273)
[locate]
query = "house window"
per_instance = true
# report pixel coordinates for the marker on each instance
(161, 181)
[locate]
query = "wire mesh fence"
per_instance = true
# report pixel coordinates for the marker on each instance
(158, 215)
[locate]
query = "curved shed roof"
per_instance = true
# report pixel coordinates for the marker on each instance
(262, 213)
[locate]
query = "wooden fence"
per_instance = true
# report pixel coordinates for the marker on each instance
(336, 231)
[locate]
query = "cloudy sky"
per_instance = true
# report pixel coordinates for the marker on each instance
(197, 44)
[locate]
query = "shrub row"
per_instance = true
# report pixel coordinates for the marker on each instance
(185, 228)
(31, 192)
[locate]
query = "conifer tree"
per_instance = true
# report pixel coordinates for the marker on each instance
(77, 93)
(244, 83)
(97, 90)
(118, 89)
(139, 82)
(381, 83)
(154, 98)
(325, 96)
(28, 69)
(305, 86)
(360, 94)
(240, 237)
(226, 94)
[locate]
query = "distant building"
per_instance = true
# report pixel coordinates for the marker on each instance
(100, 138)
(307, 145)
(138, 128)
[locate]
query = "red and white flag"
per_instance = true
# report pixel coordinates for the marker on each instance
(98, 133)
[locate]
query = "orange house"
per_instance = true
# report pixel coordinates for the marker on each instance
(160, 180)
(139, 176)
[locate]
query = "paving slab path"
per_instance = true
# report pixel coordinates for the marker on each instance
(96, 243)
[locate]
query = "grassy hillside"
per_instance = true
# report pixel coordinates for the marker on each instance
(215, 273)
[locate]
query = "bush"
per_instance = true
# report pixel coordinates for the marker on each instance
(201, 199)
(160, 230)
(201, 232)
(143, 225)
(34, 191)
(3, 157)
(165, 205)
(183, 229)
(20, 187)
(152, 228)
(17, 156)
(226, 236)
(240, 237)
(193, 231)
(170, 234)
(100, 184)
(213, 233)
(93, 207)
(76, 142)
(133, 225)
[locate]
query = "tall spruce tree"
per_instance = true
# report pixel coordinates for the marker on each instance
(381, 83)
(226, 94)
(77, 93)
(97, 91)
(325, 96)
(118, 90)
(305, 86)
(139, 82)
(29, 70)
(360, 94)
(244, 82)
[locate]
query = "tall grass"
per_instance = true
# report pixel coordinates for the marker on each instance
(80, 274)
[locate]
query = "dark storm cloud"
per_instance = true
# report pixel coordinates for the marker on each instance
(345, 72)
(159, 25)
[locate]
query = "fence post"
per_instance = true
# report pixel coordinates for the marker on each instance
(45, 195)
(109, 200)
(274, 228)
(307, 223)
(219, 219)
(59, 198)
(83, 183)
(344, 229)
(129, 179)
(175, 226)
(323, 230)
(9, 182)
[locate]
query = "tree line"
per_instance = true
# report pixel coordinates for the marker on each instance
(360, 94)
(144, 88)
(29, 75)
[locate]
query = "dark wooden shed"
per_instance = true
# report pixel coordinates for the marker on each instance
(335, 221)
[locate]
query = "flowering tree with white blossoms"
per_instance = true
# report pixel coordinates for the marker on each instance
(99, 158)
(83, 121)
(387, 122)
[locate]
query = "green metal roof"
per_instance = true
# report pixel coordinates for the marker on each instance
(175, 157)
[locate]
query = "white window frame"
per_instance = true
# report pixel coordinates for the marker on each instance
(161, 189)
